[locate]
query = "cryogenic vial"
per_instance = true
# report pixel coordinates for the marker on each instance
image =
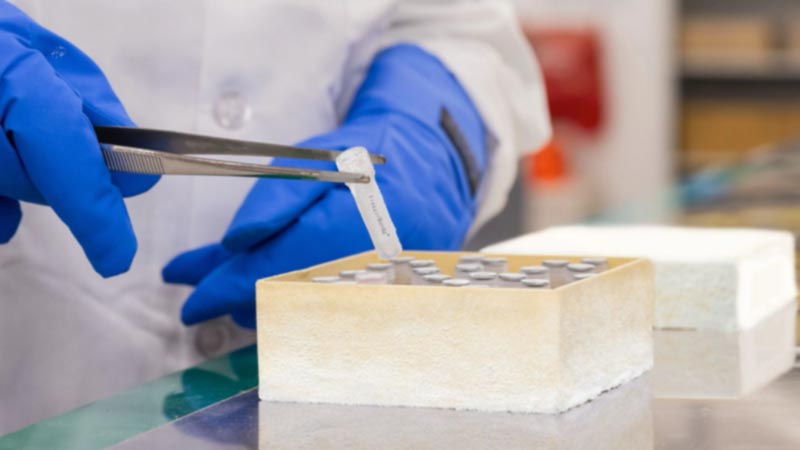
(402, 269)
(463, 270)
(559, 275)
(368, 277)
(510, 280)
(578, 268)
(455, 282)
(350, 274)
(535, 283)
(495, 264)
(326, 280)
(600, 264)
(370, 203)
(418, 274)
(470, 259)
(540, 272)
(435, 279)
(417, 263)
(386, 268)
(483, 278)
(582, 276)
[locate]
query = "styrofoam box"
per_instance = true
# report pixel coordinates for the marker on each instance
(706, 278)
(490, 349)
(715, 364)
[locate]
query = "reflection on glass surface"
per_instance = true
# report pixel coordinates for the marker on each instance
(620, 419)
(118, 418)
(711, 364)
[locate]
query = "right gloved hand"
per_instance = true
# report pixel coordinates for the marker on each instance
(51, 95)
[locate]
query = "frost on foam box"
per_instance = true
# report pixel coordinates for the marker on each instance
(490, 349)
(706, 278)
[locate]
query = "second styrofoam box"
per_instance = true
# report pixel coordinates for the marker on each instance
(706, 278)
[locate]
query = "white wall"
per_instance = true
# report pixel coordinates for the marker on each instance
(633, 157)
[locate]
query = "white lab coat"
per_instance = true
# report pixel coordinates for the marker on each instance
(263, 70)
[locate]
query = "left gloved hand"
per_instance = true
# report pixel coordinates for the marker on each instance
(428, 183)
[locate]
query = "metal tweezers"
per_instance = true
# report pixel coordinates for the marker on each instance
(140, 150)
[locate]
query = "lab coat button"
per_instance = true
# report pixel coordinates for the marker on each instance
(211, 339)
(231, 110)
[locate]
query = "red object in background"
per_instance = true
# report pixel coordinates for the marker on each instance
(570, 59)
(548, 164)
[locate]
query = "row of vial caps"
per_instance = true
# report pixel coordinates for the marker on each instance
(471, 270)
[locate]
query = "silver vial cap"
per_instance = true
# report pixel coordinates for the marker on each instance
(455, 282)
(510, 276)
(483, 276)
(326, 279)
(580, 268)
(595, 261)
(436, 278)
(494, 260)
(534, 270)
(582, 276)
(379, 267)
(535, 283)
(470, 259)
(422, 271)
(468, 267)
(402, 259)
(555, 263)
(422, 263)
(350, 274)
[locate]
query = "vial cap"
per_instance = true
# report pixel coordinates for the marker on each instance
(422, 263)
(535, 283)
(483, 276)
(468, 267)
(436, 278)
(534, 270)
(470, 259)
(494, 260)
(379, 267)
(595, 261)
(426, 270)
(580, 268)
(326, 279)
(455, 282)
(583, 276)
(509, 276)
(402, 259)
(555, 263)
(350, 273)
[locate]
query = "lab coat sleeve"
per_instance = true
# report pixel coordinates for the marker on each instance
(480, 41)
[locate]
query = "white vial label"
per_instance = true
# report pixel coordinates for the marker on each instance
(370, 202)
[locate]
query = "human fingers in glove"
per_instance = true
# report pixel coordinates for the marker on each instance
(51, 95)
(409, 108)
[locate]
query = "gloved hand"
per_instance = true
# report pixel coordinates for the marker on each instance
(50, 96)
(427, 183)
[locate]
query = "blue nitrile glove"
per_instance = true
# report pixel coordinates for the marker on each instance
(50, 96)
(428, 184)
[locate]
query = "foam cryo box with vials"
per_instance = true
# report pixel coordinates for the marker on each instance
(706, 278)
(480, 348)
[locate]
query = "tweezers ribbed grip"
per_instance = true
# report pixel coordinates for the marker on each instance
(126, 162)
